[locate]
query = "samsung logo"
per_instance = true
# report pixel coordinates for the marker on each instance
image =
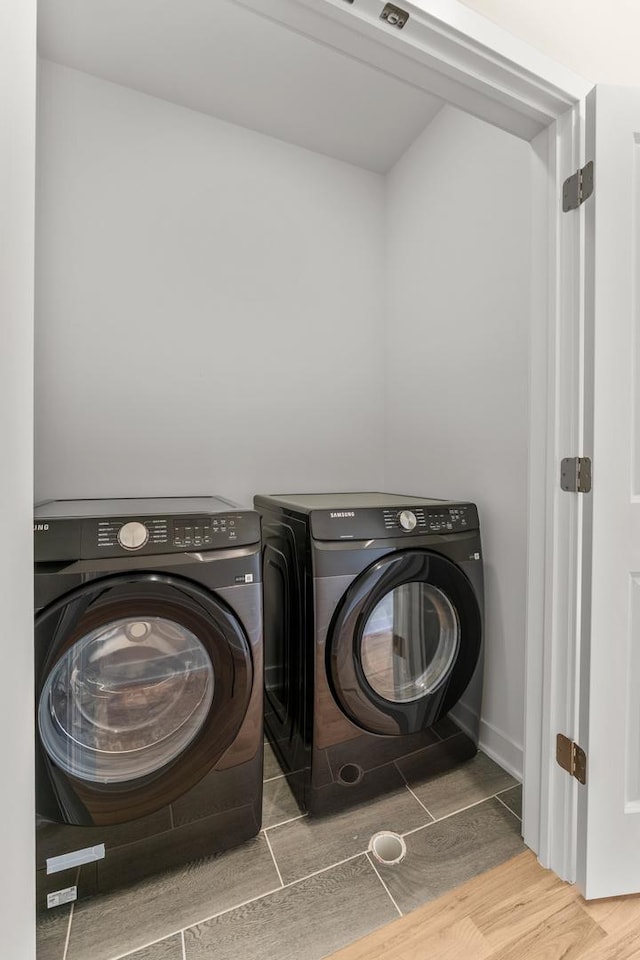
(40, 526)
(338, 515)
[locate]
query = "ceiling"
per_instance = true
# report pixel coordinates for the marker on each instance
(597, 40)
(219, 58)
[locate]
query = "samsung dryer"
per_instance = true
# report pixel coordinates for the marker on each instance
(149, 687)
(373, 621)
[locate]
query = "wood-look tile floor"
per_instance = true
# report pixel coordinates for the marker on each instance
(516, 911)
(304, 887)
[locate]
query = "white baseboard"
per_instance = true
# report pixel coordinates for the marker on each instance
(502, 749)
(496, 744)
(466, 718)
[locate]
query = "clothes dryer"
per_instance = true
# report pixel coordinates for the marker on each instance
(373, 619)
(149, 688)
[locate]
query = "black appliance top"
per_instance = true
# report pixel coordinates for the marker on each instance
(90, 529)
(131, 507)
(306, 502)
(362, 516)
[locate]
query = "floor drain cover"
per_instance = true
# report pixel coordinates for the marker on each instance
(387, 847)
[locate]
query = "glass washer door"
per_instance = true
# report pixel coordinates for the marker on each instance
(404, 642)
(143, 682)
(410, 642)
(126, 699)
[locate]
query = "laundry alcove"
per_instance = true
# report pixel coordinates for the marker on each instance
(267, 262)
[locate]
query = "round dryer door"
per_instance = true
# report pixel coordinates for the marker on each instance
(404, 642)
(144, 682)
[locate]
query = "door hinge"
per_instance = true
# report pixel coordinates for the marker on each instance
(578, 188)
(575, 474)
(571, 758)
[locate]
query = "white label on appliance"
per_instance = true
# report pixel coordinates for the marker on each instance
(59, 897)
(248, 578)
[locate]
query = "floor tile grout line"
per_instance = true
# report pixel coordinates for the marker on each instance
(388, 892)
(507, 789)
(281, 823)
(447, 816)
(68, 936)
(491, 796)
(424, 807)
(182, 930)
(404, 779)
(496, 796)
(406, 783)
(184, 945)
(278, 776)
(151, 943)
(316, 873)
(236, 906)
(275, 862)
(409, 833)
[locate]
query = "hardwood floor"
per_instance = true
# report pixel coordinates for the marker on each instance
(517, 911)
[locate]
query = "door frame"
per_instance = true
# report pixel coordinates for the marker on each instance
(17, 201)
(556, 551)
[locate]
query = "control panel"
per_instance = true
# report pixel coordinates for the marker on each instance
(130, 534)
(205, 531)
(175, 532)
(87, 538)
(372, 523)
(447, 519)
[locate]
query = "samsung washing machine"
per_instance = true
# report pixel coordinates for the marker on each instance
(149, 688)
(373, 626)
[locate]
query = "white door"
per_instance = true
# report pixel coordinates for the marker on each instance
(608, 861)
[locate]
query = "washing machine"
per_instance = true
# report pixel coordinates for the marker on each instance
(149, 688)
(373, 626)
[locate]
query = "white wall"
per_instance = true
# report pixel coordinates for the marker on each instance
(208, 304)
(17, 162)
(597, 40)
(457, 348)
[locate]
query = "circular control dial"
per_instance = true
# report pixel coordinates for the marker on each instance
(407, 519)
(133, 535)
